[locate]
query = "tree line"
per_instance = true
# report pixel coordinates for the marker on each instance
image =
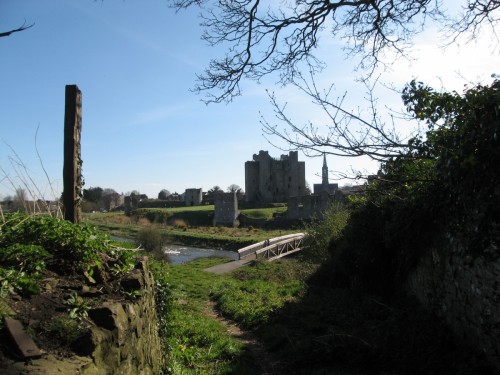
(106, 199)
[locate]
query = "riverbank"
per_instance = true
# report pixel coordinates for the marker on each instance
(284, 310)
(223, 238)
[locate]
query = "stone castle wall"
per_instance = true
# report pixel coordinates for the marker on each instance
(465, 292)
(308, 206)
(226, 209)
(274, 180)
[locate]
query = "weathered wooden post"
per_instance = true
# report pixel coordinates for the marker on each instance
(72, 169)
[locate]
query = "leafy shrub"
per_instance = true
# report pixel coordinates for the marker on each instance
(29, 244)
(323, 236)
(151, 240)
(464, 143)
(29, 258)
(445, 183)
(80, 244)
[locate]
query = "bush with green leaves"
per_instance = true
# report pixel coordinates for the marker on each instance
(464, 143)
(80, 244)
(29, 243)
(151, 239)
(323, 235)
(447, 183)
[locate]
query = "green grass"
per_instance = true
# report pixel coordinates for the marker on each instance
(252, 294)
(190, 216)
(198, 236)
(263, 213)
(195, 342)
(304, 323)
(173, 210)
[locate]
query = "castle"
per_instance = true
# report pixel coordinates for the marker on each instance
(269, 180)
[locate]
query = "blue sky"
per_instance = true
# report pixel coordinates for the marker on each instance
(143, 129)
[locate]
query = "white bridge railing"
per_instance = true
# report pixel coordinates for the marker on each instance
(274, 248)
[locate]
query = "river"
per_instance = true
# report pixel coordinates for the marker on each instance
(179, 254)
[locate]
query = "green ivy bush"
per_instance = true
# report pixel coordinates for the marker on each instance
(323, 235)
(447, 183)
(31, 244)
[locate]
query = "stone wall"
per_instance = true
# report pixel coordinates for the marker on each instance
(193, 197)
(465, 292)
(308, 206)
(312, 206)
(123, 338)
(226, 209)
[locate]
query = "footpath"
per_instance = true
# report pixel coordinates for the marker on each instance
(229, 266)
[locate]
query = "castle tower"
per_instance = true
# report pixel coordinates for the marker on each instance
(274, 180)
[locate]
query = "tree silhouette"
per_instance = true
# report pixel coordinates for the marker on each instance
(263, 38)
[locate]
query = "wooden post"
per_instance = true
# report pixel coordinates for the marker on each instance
(72, 169)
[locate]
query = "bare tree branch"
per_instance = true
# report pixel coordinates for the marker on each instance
(347, 134)
(263, 38)
(22, 28)
(476, 14)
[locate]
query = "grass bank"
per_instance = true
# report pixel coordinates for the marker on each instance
(116, 223)
(305, 325)
(196, 342)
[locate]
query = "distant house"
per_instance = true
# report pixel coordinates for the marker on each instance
(193, 197)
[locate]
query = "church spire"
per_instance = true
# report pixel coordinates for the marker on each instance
(324, 172)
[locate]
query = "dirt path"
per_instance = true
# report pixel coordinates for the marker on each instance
(255, 348)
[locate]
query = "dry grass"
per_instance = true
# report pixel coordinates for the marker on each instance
(179, 224)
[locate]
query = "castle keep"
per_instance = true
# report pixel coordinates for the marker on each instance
(269, 180)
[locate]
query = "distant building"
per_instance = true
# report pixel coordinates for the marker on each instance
(325, 182)
(193, 197)
(269, 180)
(226, 209)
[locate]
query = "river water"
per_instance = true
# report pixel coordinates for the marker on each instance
(179, 254)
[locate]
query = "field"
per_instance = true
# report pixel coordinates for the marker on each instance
(188, 226)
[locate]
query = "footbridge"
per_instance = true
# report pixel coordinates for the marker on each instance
(273, 248)
(270, 249)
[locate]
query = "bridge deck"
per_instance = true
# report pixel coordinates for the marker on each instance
(271, 249)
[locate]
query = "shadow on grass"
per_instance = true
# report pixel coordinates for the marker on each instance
(338, 331)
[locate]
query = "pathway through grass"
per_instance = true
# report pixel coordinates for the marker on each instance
(198, 339)
(286, 327)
